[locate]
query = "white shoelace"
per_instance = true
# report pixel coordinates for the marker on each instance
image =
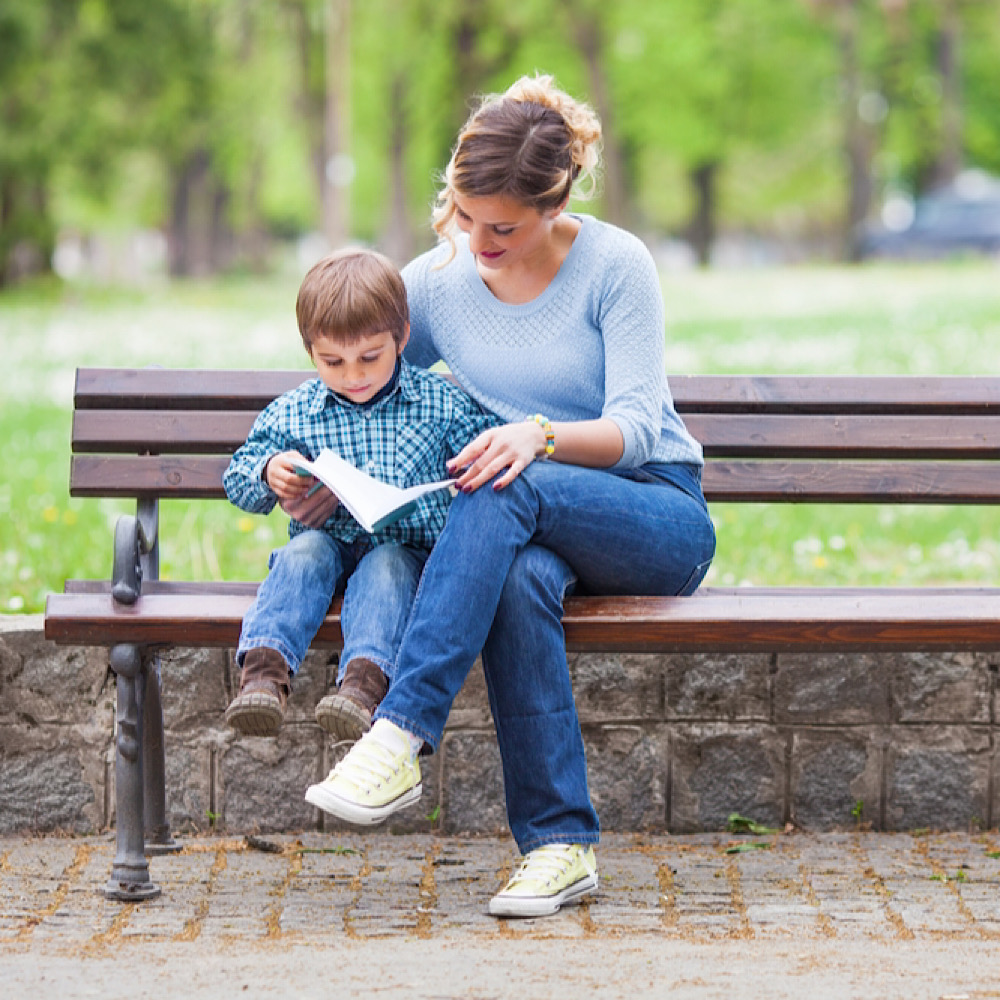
(367, 765)
(546, 864)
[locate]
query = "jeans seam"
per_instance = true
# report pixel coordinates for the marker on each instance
(559, 838)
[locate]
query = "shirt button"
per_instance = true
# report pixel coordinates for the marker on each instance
(371, 466)
(368, 414)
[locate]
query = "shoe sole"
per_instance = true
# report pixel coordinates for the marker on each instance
(321, 797)
(542, 906)
(342, 718)
(255, 715)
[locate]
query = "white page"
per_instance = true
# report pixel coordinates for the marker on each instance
(369, 501)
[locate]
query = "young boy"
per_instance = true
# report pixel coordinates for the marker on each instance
(399, 424)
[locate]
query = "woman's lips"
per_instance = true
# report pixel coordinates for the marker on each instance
(491, 254)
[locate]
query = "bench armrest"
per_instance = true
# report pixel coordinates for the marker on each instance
(131, 544)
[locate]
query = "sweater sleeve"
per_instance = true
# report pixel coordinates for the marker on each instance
(630, 316)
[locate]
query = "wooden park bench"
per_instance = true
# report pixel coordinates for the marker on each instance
(151, 434)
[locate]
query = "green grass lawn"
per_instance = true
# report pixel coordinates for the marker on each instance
(941, 319)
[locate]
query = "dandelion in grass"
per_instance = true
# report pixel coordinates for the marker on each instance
(245, 524)
(16, 603)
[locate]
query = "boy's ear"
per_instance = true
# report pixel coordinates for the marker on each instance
(403, 340)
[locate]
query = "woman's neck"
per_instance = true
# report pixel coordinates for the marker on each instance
(525, 281)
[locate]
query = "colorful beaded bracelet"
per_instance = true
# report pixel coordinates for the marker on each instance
(550, 434)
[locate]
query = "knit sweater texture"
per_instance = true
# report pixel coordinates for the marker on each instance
(590, 346)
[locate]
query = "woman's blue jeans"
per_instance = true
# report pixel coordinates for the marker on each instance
(378, 585)
(495, 582)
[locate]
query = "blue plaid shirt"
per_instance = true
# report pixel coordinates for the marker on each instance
(404, 438)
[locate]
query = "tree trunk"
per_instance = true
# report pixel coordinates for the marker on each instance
(398, 238)
(188, 233)
(948, 162)
(857, 137)
(617, 200)
(702, 228)
(337, 167)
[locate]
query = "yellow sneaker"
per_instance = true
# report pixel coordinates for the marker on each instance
(379, 775)
(549, 877)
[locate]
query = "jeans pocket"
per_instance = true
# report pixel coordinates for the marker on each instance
(692, 582)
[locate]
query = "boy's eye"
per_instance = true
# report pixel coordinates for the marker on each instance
(369, 358)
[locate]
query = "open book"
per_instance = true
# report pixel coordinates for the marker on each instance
(372, 503)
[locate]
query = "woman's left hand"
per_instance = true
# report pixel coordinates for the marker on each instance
(512, 447)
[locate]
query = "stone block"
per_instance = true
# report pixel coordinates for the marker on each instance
(719, 769)
(940, 687)
(42, 683)
(718, 688)
(193, 688)
(938, 777)
(627, 776)
(50, 789)
(316, 677)
(189, 783)
(472, 792)
(832, 771)
(617, 687)
(262, 782)
(471, 709)
(831, 688)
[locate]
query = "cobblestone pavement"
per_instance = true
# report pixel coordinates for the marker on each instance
(798, 915)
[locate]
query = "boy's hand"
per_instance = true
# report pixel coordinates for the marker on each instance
(280, 475)
(512, 447)
(312, 510)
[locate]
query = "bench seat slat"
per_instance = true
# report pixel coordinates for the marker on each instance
(731, 435)
(723, 621)
(777, 482)
(156, 388)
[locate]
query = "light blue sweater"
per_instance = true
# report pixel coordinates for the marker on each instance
(590, 346)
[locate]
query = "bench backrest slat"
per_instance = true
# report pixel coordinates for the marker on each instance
(191, 432)
(841, 439)
(748, 482)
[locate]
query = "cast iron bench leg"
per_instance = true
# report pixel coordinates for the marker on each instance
(129, 880)
(157, 827)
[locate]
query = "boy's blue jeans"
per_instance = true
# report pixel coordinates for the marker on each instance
(378, 585)
(495, 582)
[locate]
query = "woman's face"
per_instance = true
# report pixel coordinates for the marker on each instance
(503, 231)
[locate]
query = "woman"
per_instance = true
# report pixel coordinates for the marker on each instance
(554, 321)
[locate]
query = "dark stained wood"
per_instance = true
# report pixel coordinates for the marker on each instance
(729, 435)
(182, 432)
(102, 476)
(852, 482)
(156, 388)
(722, 621)
(181, 389)
(738, 482)
(957, 394)
(835, 436)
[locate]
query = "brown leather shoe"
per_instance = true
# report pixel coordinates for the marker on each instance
(259, 708)
(347, 715)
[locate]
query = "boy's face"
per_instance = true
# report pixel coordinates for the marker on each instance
(357, 371)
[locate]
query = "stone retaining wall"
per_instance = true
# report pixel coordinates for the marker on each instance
(674, 743)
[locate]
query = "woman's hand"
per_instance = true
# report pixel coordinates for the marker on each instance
(512, 447)
(300, 497)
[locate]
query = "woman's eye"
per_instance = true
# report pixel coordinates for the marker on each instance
(502, 232)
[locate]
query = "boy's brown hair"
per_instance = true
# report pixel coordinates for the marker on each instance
(349, 295)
